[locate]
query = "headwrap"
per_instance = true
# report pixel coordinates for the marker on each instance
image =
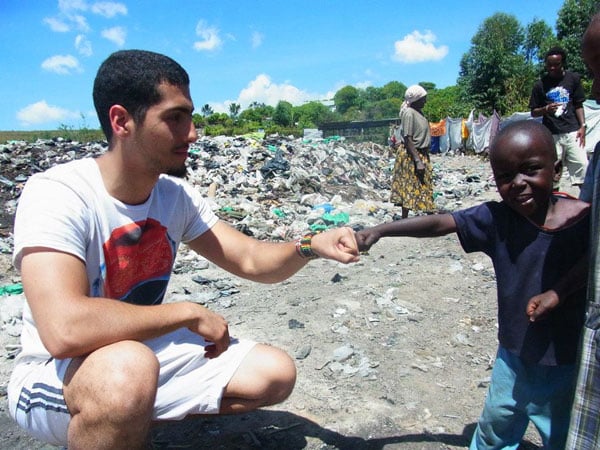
(412, 94)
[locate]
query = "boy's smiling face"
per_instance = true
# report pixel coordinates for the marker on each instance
(524, 166)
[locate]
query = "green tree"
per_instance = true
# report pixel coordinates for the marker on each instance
(573, 18)
(198, 120)
(313, 114)
(517, 90)
(258, 113)
(354, 113)
(393, 89)
(284, 114)
(538, 39)
(206, 110)
(493, 59)
(371, 94)
(234, 110)
(346, 98)
(219, 118)
(428, 86)
(384, 109)
(446, 102)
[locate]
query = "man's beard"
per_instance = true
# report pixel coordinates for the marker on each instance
(179, 172)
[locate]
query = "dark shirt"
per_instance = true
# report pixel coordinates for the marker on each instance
(550, 90)
(529, 260)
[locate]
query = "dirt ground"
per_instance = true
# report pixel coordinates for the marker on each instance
(393, 352)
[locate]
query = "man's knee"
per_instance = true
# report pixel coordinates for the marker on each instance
(283, 378)
(267, 375)
(121, 378)
(136, 378)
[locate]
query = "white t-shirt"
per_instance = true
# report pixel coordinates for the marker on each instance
(128, 250)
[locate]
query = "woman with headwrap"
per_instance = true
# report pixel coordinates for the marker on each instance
(412, 184)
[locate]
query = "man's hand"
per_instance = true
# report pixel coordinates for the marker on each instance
(213, 328)
(338, 243)
(551, 108)
(540, 305)
(581, 136)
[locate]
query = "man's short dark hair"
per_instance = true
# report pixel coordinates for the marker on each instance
(557, 51)
(130, 78)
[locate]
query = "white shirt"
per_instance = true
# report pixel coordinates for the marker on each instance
(128, 250)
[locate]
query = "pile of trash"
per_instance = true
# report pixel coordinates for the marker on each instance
(346, 321)
(272, 187)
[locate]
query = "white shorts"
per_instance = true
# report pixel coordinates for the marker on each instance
(188, 383)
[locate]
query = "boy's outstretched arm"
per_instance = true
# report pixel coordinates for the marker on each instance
(540, 305)
(421, 226)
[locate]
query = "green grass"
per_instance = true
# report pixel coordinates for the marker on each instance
(83, 135)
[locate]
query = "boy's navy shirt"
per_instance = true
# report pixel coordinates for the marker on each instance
(528, 260)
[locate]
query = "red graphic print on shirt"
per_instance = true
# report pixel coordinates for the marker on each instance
(139, 259)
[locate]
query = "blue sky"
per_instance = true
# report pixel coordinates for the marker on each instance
(234, 50)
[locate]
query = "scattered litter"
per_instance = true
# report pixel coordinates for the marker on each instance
(294, 324)
(303, 351)
(262, 184)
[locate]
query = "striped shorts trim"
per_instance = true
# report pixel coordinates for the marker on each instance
(42, 396)
(36, 402)
(189, 383)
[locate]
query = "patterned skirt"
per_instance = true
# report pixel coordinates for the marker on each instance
(409, 190)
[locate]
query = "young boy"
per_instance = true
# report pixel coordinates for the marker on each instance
(538, 242)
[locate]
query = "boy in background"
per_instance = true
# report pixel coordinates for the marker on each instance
(538, 241)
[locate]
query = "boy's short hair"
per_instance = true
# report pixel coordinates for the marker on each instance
(526, 126)
(130, 78)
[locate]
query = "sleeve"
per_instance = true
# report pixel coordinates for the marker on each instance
(537, 98)
(475, 228)
(200, 217)
(578, 92)
(50, 214)
(408, 123)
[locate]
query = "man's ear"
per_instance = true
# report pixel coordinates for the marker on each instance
(120, 120)
(558, 168)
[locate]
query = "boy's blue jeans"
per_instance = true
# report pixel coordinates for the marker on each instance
(520, 392)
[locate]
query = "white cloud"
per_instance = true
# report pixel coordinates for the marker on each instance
(57, 25)
(69, 17)
(116, 35)
(80, 23)
(67, 22)
(263, 90)
(62, 64)
(210, 37)
(418, 47)
(42, 112)
(109, 9)
(257, 39)
(66, 6)
(83, 45)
